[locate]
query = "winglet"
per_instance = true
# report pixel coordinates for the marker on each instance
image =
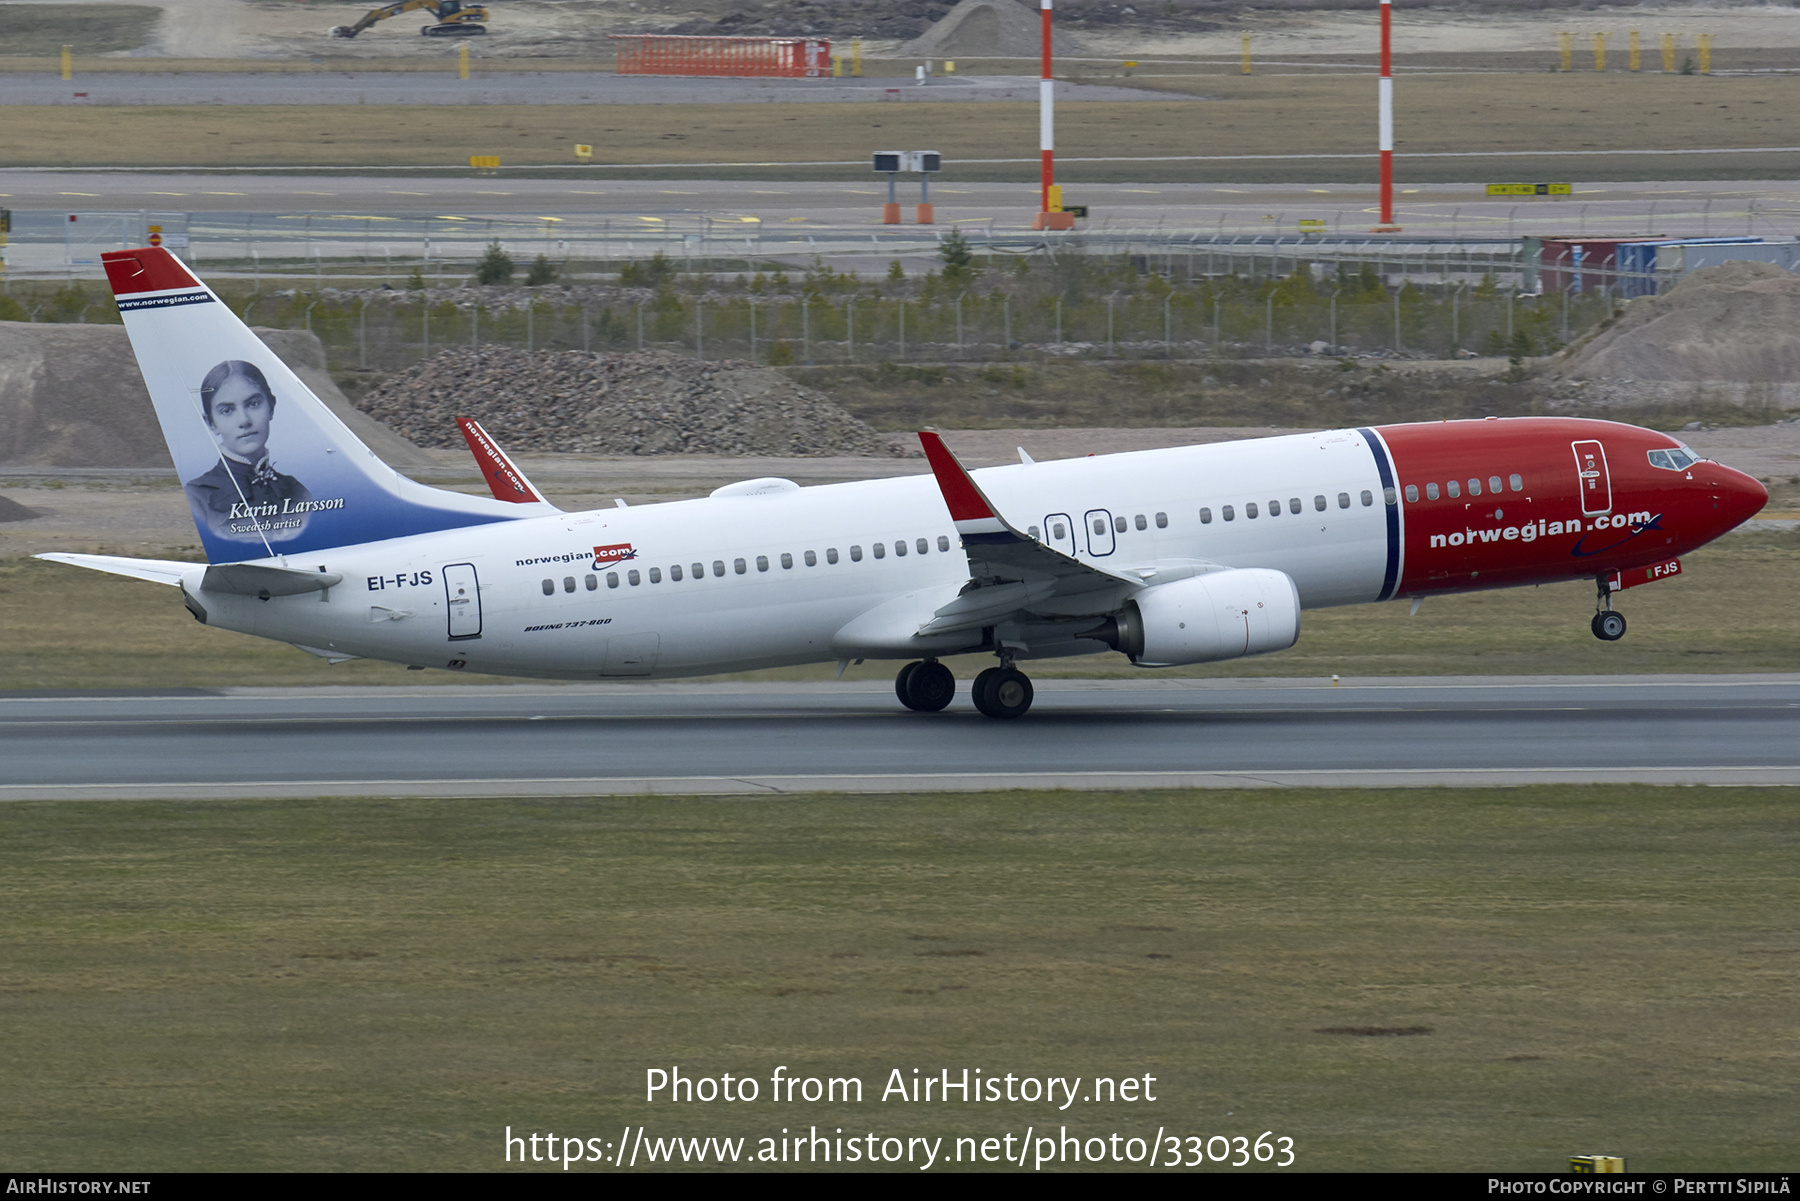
(504, 479)
(974, 516)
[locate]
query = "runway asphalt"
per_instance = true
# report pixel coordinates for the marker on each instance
(670, 739)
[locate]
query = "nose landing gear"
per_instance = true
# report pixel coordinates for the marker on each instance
(1608, 625)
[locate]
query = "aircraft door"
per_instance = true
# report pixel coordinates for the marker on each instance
(1059, 533)
(463, 596)
(1596, 482)
(1099, 530)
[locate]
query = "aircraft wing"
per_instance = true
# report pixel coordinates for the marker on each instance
(1010, 572)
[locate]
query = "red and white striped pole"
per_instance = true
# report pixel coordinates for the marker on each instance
(1046, 114)
(1047, 136)
(1385, 86)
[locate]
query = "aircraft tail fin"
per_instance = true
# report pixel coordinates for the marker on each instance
(269, 470)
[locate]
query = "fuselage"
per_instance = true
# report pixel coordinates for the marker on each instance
(732, 582)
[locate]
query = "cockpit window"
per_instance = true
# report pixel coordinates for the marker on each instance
(1679, 459)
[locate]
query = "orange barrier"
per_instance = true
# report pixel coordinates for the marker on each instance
(659, 54)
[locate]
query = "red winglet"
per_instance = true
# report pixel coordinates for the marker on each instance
(151, 269)
(504, 480)
(960, 493)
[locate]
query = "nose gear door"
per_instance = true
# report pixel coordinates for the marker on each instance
(463, 595)
(1596, 482)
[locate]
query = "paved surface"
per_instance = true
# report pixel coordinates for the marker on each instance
(554, 87)
(755, 738)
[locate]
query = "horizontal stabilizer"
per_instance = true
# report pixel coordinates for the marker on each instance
(250, 579)
(159, 571)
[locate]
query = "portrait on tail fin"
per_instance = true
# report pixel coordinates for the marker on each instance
(242, 496)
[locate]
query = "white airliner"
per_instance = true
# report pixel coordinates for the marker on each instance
(1188, 555)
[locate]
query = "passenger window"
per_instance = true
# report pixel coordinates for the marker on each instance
(549, 587)
(632, 578)
(568, 583)
(1494, 484)
(900, 548)
(1100, 525)
(1205, 516)
(1250, 510)
(590, 582)
(1275, 507)
(1058, 531)
(831, 554)
(787, 561)
(739, 566)
(1388, 497)
(762, 562)
(1412, 494)
(1140, 522)
(1033, 531)
(675, 573)
(856, 554)
(1431, 491)
(656, 575)
(1225, 511)
(1319, 502)
(1293, 504)
(700, 570)
(1344, 500)
(612, 579)
(922, 546)
(944, 539)
(1474, 487)
(719, 566)
(1367, 498)
(812, 560)
(1516, 482)
(1162, 521)
(1454, 488)
(880, 549)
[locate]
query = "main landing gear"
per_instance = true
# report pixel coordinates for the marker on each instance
(927, 687)
(1608, 625)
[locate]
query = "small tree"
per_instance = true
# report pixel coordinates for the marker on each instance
(495, 266)
(896, 273)
(959, 258)
(416, 281)
(542, 272)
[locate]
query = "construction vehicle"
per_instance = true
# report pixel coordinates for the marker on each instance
(455, 18)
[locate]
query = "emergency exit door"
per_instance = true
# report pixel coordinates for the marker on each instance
(1596, 483)
(462, 595)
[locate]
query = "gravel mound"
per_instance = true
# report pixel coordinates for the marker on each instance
(991, 28)
(650, 403)
(12, 510)
(1739, 321)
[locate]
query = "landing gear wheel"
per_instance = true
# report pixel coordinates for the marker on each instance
(1609, 626)
(928, 686)
(901, 680)
(1002, 692)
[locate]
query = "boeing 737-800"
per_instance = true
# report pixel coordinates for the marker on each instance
(1187, 555)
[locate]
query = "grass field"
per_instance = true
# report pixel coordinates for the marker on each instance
(1254, 115)
(1731, 612)
(40, 31)
(384, 985)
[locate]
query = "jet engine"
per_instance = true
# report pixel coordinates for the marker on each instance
(1205, 618)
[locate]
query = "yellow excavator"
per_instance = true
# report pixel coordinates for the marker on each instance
(455, 18)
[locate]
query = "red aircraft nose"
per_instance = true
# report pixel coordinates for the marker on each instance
(1736, 497)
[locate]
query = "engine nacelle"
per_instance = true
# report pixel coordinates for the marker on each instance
(1206, 618)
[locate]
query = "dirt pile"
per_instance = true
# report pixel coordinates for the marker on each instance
(72, 396)
(12, 510)
(1739, 321)
(994, 28)
(650, 403)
